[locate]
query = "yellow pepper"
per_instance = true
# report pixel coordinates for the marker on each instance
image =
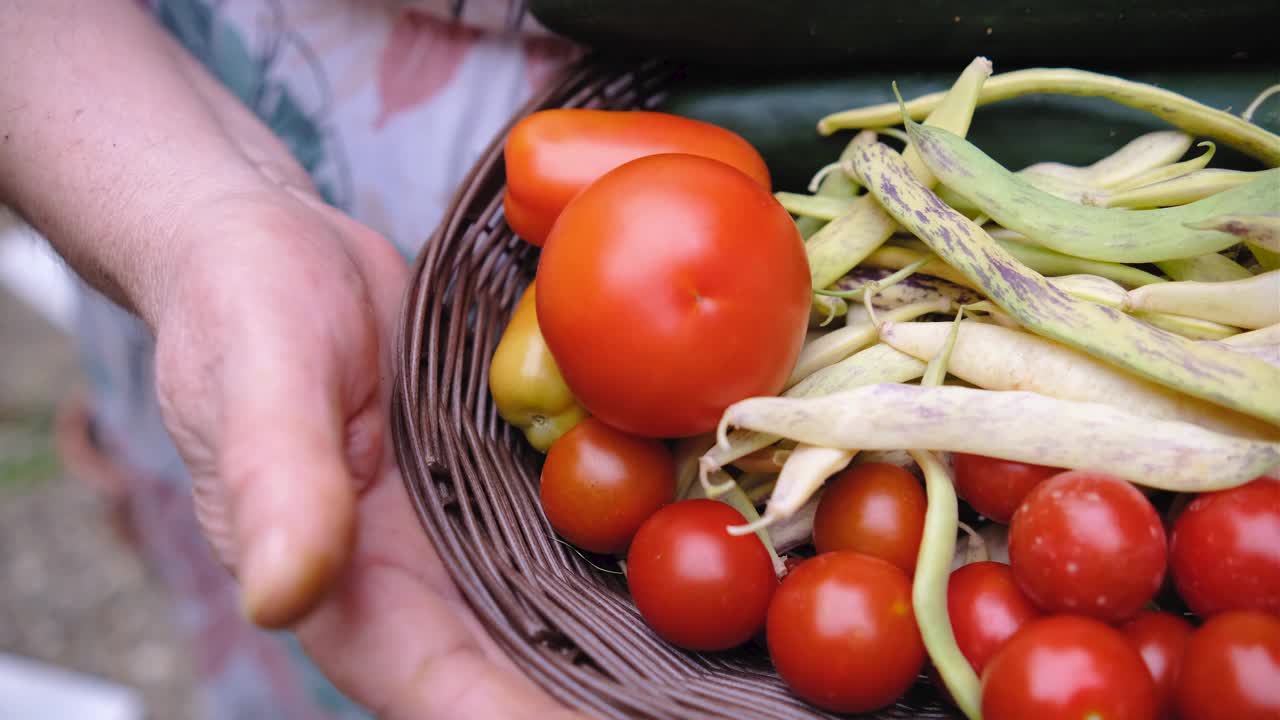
(526, 383)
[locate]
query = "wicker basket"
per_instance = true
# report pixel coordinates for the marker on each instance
(565, 621)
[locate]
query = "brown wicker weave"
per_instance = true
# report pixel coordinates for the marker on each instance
(474, 480)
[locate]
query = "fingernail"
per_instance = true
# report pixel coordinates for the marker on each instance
(268, 577)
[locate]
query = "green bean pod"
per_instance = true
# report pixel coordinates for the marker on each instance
(929, 586)
(1250, 303)
(1180, 111)
(1260, 230)
(1243, 384)
(1080, 230)
(1050, 262)
(1014, 425)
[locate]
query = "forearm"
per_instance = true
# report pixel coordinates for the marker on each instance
(109, 137)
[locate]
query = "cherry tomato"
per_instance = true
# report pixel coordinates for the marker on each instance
(1231, 668)
(1067, 667)
(551, 155)
(696, 585)
(1224, 550)
(995, 487)
(874, 508)
(670, 288)
(842, 634)
(986, 608)
(1089, 544)
(1160, 638)
(599, 484)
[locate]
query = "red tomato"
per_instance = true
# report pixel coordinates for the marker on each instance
(1067, 667)
(986, 608)
(670, 288)
(1224, 550)
(1160, 638)
(1231, 669)
(996, 487)
(875, 509)
(696, 585)
(600, 484)
(842, 634)
(1088, 543)
(551, 155)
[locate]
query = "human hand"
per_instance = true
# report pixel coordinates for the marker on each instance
(274, 376)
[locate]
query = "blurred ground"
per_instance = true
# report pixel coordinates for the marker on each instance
(71, 591)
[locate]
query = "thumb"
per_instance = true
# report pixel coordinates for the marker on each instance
(283, 469)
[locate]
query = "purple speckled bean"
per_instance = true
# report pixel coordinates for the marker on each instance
(1095, 233)
(1242, 383)
(1014, 425)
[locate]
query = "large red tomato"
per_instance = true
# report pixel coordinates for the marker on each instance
(1225, 549)
(696, 585)
(842, 633)
(1067, 667)
(600, 484)
(551, 155)
(671, 288)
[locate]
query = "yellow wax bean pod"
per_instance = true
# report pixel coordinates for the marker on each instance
(1177, 191)
(1050, 262)
(896, 258)
(804, 472)
(840, 344)
(1080, 230)
(1168, 172)
(1251, 303)
(1269, 335)
(1014, 425)
(1092, 288)
(1178, 110)
(997, 358)
(832, 183)
(919, 287)
(846, 240)
(1135, 158)
(877, 364)
(1205, 268)
(818, 207)
(1244, 384)
(1188, 327)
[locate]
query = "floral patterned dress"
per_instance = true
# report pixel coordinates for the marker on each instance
(386, 104)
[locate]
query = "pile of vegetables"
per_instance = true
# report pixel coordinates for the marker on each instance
(773, 408)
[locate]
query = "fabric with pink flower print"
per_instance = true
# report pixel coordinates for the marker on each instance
(386, 104)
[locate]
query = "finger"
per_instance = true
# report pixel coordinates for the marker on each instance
(396, 637)
(287, 481)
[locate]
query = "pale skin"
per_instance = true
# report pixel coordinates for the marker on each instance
(274, 318)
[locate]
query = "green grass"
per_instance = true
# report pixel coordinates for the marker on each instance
(27, 453)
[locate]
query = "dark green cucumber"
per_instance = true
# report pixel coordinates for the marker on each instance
(772, 32)
(779, 114)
